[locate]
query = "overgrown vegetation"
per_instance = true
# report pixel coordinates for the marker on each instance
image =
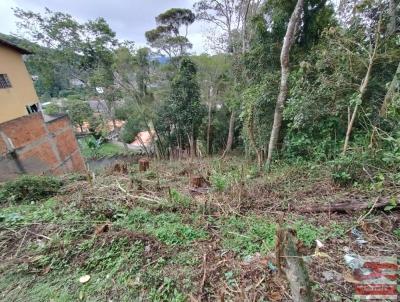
(92, 148)
(144, 236)
(305, 92)
(340, 104)
(29, 188)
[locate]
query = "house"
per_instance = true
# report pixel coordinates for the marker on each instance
(17, 94)
(29, 143)
(144, 142)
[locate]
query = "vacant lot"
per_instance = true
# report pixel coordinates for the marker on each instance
(151, 236)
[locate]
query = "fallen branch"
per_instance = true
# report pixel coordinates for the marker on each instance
(19, 247)
(203, 279)
(343, 207)
(144, 196)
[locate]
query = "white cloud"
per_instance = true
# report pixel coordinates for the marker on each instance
(130, 19)
(7, 19)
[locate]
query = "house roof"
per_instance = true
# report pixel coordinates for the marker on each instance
(15, 47)
(143, 137)
(98, 106)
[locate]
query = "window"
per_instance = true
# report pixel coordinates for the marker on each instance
(32, 108)
(4, 81)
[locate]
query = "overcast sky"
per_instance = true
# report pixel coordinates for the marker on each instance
(128, 18)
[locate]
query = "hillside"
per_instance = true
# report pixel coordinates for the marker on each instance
(152, 236)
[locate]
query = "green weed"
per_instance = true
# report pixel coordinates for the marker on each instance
(219, 181)
(179, 199)
(29, 188)
(248, 235)
(167, 227)
(307, 233)
(166, 292)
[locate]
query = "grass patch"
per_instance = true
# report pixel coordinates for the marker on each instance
(90, 148)
(167, 227)
(248, 235)
(49, 211)
(308, 233)
(155, 249)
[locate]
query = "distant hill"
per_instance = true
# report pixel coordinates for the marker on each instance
(159, 58)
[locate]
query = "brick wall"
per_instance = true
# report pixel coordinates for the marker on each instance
(30, 145)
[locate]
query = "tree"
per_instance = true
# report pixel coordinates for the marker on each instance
(372, 53)
(230, 17)
(166, 36)
(75, 50)
(283, 90)
(132, 71)
(213, 74)
(79, 112)
(391, 92)
(52, 109)
(174, 18)
(185, 109)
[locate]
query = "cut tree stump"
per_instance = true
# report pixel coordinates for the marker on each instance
(144, 164)
(198, 181)
(290, 262)
(120, 167)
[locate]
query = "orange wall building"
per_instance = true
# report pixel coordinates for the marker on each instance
(28, 143)
(17, 94)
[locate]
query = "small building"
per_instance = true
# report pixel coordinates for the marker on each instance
(17, 94)
(144, 142)
(29, 143)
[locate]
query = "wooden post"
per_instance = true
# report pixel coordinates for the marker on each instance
(291, 263)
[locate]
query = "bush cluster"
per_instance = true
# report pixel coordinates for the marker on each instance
(29, 188)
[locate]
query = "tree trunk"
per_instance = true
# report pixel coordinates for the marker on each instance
(229, 142)
(114, 124)
(192, 144)
(347, 206)
(292, 264)
(363, 88)
(390, 93)
(283, 90)
(259, 153)
(143, 145)
(209, 125)
(392, 13)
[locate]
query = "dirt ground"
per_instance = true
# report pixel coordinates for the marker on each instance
(152, 236)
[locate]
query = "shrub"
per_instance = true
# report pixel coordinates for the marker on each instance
(29, 188)
(248, 235)
(355, 166)
(179, 199)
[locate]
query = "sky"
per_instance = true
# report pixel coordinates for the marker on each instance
(130, 19)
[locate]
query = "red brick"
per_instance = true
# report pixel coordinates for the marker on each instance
(43, 152)
(66, 144)
(58, 171)
(78, 163)
(39, 159)
(58, 124)
(42, 147)
(24, 130)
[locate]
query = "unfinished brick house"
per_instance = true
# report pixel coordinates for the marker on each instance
(29, 143)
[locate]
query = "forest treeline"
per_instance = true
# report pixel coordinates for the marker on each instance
(295, 80)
